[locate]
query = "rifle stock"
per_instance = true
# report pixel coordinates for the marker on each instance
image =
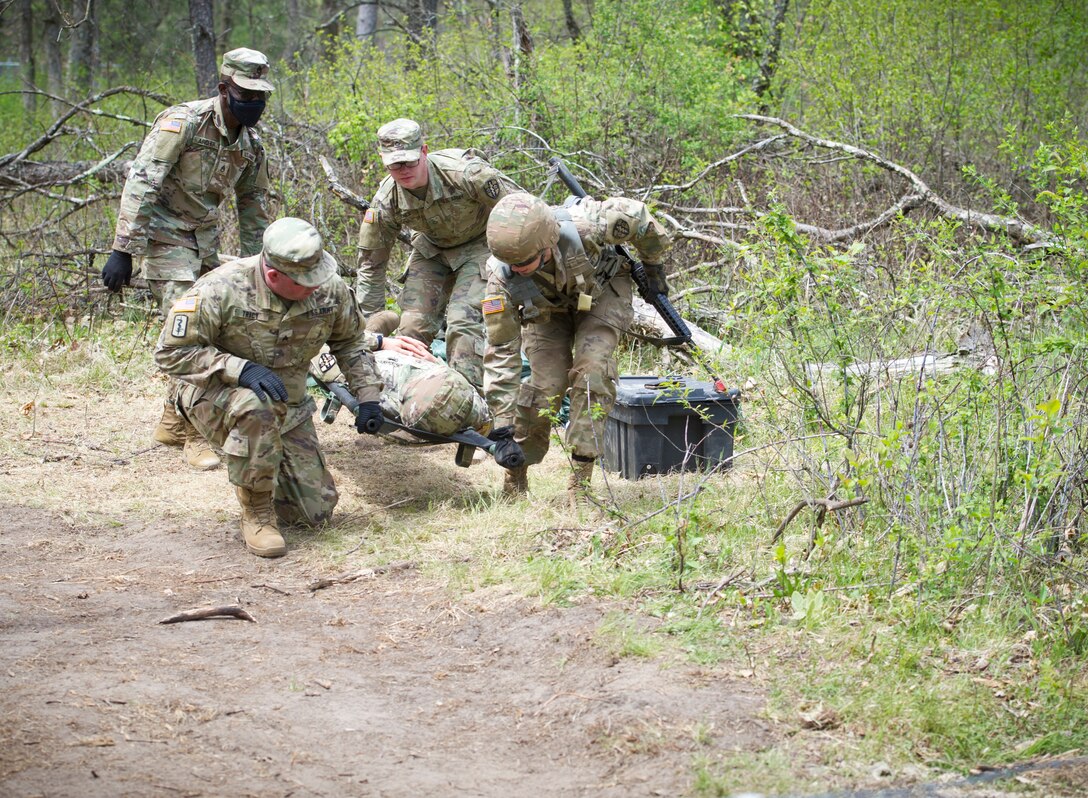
(659, 301)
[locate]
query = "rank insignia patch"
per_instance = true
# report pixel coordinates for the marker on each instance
(491, 188)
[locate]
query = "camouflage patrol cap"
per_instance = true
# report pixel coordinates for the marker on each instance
(520, 226)
(293, 247)
(439, 400)
(399, 141)
(247, 68)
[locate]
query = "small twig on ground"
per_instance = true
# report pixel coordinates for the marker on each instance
(228, 611)
(366, 573)
(273, 588)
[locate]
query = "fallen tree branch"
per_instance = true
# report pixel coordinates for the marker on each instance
(228, 611)
(339, 189)
(1017, 229)
(366, 573)
(825, 505)
(57, 127)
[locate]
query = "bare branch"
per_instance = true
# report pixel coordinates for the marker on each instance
(1017, 229)
(55, 129)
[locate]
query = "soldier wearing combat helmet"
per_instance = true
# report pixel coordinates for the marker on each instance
(241, 340)
(558, 290)
(444, 198)
(194, 157)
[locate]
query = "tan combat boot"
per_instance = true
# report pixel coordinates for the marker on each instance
(198, 452)
(171, 429)
(515, 482)
(578, 484)
(259, 528)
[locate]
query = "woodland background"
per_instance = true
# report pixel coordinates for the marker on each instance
(879, 208)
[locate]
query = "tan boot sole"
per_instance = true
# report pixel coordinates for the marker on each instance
(273, 551)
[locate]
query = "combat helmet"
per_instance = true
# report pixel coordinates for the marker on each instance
(520, 226)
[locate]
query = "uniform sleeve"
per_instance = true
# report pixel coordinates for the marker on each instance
(158, 155)
(253, 200)
(486, 184)
(620, 220)
(502, 360)
(353, 348)
(186, 347)
(370, 279)
(377, 234)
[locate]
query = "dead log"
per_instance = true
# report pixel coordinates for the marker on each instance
(39, 174)
(228, 611)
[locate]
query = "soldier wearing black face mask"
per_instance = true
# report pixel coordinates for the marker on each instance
(196, 155)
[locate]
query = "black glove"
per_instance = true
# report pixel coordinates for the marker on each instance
(368, 417)
(259, 379)
(117, 271)
(655, 277)
(507, 451)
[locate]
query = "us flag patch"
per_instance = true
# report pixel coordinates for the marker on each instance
(369, 216)
(173, 125)
(493, 304)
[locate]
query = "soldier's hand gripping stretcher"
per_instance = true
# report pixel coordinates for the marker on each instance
(423, 401)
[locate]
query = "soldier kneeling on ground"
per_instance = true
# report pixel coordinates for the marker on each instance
(241, 340)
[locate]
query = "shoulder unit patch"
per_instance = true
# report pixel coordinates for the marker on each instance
(620, 229)
(491, 188)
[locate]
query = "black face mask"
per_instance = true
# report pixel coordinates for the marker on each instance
(248, 113)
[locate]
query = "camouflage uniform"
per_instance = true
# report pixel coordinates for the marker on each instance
(446, 274)
(231, 317)
(567, 315)
(187, 166)
(428, 396)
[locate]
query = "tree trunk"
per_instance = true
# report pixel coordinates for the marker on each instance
(202, 20)
(330, 10)
(770, 56)
(291, 43)
(422, 18)
(26, 51)
(573, 30)
(366, 21)
(54, 67)
(83, 51)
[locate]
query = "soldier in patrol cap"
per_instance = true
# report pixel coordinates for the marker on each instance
(240, 341)
(444, 198)
(194, 157)
(558, 289)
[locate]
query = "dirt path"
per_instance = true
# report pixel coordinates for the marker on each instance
(376, 688)
(385, 687)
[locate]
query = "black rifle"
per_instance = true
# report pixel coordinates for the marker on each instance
(467, 440)
(659, 301)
